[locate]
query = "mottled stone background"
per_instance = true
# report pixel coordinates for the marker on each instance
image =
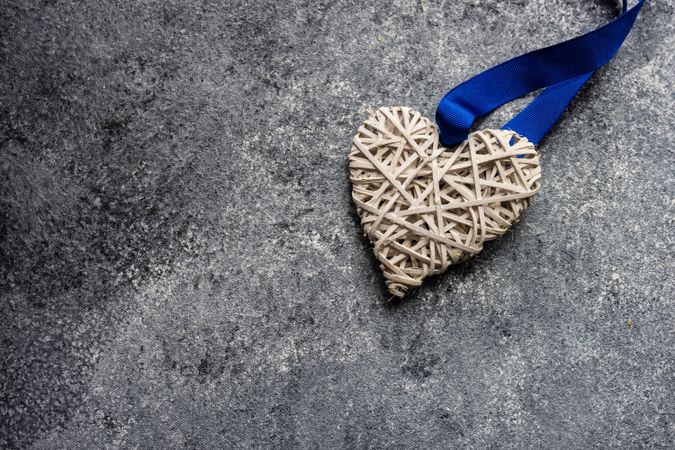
(182, 267)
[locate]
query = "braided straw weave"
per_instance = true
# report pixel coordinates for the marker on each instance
(425, 207)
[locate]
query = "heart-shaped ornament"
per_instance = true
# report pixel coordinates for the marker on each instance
(424, 206)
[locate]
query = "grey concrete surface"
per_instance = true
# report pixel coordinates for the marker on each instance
(182, 267)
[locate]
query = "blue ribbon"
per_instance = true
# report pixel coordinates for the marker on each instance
(562, 69)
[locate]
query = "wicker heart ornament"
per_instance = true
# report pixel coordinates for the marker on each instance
(424, 206)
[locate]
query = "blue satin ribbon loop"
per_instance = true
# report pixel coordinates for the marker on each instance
(562, 69)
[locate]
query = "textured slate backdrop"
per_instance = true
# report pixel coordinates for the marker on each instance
(182, 265)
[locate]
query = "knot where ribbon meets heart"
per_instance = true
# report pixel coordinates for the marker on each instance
(424, 206)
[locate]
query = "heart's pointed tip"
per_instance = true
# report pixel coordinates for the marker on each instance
(395, 297)
(397, 291)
